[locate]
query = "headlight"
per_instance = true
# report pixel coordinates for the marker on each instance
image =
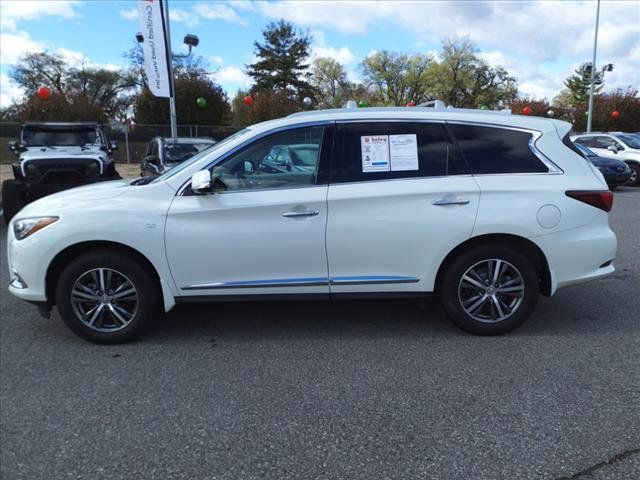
(28, 226)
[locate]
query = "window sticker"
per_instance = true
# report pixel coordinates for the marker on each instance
(403, 151)
(375, 153)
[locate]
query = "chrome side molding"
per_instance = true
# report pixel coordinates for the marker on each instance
(305, 282)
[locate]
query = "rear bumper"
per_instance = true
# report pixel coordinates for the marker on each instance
(579, 255)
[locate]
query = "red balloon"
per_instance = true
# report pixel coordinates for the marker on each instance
(248, 100)
(527, 110)
(411, 104)
(43, 93)
(615, 114)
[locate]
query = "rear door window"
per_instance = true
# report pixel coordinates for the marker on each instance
(429, 142)
(490, 150)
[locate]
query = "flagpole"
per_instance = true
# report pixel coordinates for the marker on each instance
(593, 71)
(172, 98)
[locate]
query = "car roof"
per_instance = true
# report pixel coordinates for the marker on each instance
(417, 114)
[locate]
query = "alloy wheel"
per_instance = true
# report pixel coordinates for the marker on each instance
(491, 290)
(104, 299)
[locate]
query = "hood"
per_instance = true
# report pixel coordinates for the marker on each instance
(35, 153)
(599, 161)
(75, 198)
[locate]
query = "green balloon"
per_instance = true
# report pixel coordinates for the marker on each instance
(362, 104)
(202, 102)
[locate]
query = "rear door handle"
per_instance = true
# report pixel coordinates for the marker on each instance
(301, 213)
(450, 201)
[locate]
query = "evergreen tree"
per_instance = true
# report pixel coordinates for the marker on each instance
(579, 84)
(281, 63)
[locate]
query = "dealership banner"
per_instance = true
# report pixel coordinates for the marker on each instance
(153, 28)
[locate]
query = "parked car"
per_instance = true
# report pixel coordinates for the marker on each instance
(163, 153)
(54, 157)
(618, 145)
(393, 208)
(615, 171)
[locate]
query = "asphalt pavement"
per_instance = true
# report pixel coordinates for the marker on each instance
(344, 390)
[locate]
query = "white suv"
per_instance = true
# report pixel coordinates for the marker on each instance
(486, 210)
(618, 145)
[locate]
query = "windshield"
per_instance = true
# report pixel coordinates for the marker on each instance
(63, 137)
(630, 139)
(207, 151)
(585, 150)
(179, 152)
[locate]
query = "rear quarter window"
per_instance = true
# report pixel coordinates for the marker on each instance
(490, 150)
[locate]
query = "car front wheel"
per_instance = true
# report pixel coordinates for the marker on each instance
(490, 290)
(106, 296)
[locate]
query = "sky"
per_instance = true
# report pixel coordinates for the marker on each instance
(540, 42)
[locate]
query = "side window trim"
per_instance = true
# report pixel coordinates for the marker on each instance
(535, 136)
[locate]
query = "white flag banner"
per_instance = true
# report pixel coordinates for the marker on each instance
(153, 29)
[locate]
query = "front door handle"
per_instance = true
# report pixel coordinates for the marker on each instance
(301, 213)
(450, 201)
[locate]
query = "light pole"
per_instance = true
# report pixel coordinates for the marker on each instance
(190, 41)
(593, 70)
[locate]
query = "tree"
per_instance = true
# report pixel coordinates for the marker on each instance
(579, 84)
(77, 92)
(267, 104)
(540, 108)
(150, 109)
(627, 102)
(282, 61)
(462, 79)
(329, 78)
(396, 78)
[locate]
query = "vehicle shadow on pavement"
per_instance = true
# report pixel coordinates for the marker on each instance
(573, 311)
(255, 321)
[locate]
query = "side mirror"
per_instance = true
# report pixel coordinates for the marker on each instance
(113, 145)
(612, 148)
(248, 168)
(201, 182)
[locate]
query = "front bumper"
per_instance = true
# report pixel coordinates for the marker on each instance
(617, 178)
(28, 260)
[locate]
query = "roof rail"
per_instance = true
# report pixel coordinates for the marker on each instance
(351, 105)
(437, 104)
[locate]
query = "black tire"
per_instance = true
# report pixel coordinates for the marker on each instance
(452, 296)
(107, 328)
(634, 180)
(13, 199)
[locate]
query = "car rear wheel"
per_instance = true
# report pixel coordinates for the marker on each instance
(634, 179)
(106, 296)
(12, 199)
(490, 290)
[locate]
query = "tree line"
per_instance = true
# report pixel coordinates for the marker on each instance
(284, 74)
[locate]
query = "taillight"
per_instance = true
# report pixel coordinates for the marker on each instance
(602, 199)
